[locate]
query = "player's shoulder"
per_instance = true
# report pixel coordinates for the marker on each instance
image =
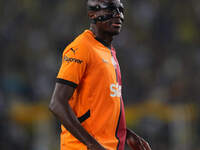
(80, 43)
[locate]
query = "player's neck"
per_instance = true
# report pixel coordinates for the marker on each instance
(102, 36)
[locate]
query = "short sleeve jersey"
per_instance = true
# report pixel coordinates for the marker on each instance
(92, 69)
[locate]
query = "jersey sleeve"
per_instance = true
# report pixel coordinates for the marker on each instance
(74, 62)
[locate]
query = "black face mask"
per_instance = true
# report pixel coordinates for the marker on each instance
(110, 7)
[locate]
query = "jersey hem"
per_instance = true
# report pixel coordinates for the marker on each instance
(70, 83)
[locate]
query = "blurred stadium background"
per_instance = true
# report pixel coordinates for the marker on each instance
(159, 53)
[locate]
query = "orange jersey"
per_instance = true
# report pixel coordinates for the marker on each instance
(93, 70)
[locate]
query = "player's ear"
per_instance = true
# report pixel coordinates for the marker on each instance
(92, 15)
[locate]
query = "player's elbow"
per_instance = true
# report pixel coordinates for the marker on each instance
(52, 106)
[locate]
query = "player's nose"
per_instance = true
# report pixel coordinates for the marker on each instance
(118, 14)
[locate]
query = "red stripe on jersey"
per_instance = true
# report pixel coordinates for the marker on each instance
(121, 129)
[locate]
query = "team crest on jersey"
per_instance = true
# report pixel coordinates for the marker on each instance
(105, 61)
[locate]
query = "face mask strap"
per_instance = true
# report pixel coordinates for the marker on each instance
(102, 18)
(115, 10)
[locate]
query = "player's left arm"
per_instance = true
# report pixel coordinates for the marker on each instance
(136, 142)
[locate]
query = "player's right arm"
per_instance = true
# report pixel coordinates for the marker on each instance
(60, 107)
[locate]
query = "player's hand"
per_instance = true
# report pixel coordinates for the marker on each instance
(135, 142)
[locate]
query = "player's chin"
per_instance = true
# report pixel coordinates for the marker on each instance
(115, 31)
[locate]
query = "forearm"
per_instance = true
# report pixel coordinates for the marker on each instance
(67, 117)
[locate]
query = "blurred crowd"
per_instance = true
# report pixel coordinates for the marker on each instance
(159, 54)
